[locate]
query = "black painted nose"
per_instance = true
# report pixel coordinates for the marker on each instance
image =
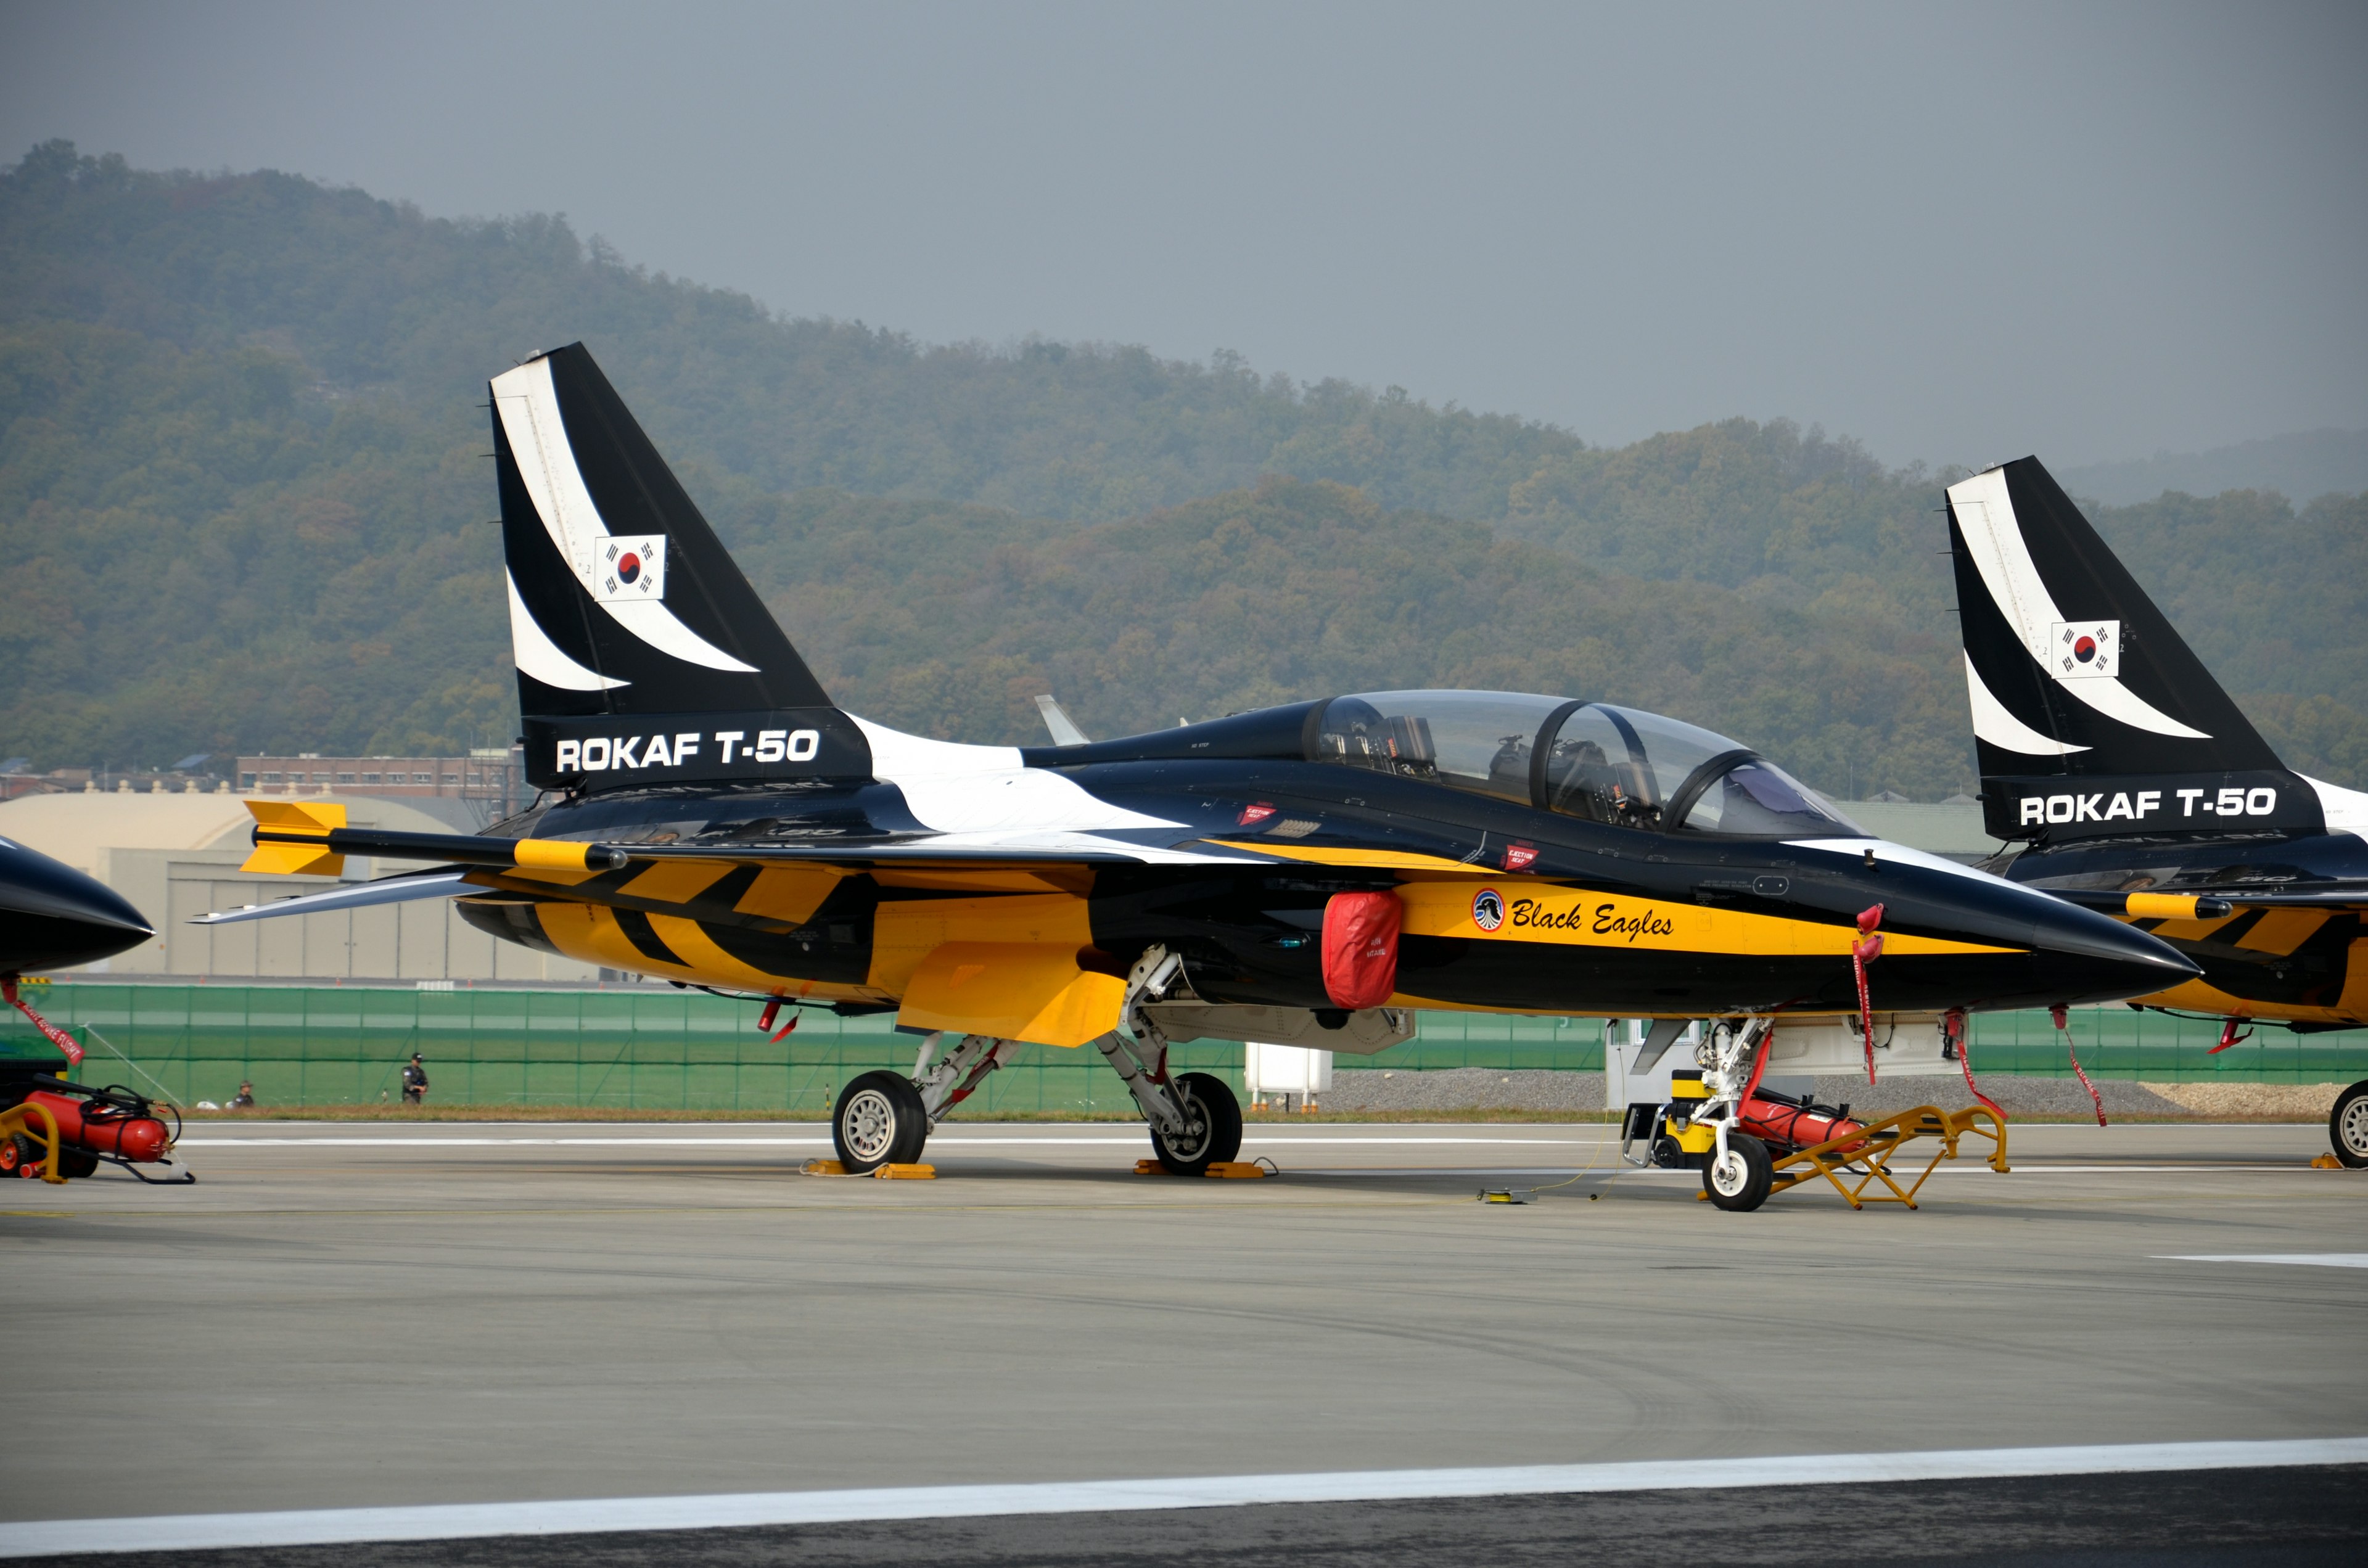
(2099, 958)
(53, 917)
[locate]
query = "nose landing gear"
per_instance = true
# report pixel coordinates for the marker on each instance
(1739, 1175)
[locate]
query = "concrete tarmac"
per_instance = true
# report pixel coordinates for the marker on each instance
(348, 1315)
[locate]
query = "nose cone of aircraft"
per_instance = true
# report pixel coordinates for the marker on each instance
(2040, 949)
(53, 917)
(2099, 958)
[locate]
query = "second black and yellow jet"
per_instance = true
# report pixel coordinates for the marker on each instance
(1310, 873)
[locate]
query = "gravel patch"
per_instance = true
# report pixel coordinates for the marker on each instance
(2015, 1095)
(1482, 1088)
(2314, 1100)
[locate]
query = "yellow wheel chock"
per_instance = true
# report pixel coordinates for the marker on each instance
(891, 1172)
(20, 1119)
(1222, 1170)
(1874, 1146)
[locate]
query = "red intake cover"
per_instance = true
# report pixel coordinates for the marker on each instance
(1360, 949)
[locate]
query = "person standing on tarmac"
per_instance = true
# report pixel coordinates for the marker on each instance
(415, 1081)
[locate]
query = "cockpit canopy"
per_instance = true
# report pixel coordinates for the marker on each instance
(1594, 760)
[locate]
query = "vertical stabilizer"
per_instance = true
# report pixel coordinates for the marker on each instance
(622, 600)
(643, 655)
(2091, 715)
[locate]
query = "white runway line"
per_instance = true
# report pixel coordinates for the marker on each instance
(410, 1141)
(1963, 1166)
(318, 1526)
(2318, 1259)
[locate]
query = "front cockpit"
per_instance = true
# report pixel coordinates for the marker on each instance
(1617, 766)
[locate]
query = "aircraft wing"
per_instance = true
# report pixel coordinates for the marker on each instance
(297, 842)
(999, 849)
(385, 890)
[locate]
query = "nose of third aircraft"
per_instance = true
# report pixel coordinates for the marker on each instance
(53, 916)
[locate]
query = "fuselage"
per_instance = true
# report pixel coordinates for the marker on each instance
(1223, 841)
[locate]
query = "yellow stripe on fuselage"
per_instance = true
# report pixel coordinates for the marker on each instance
(675, 882)
(2281, 931)
(789, 893)
(588, 933)
(1560, 915)
(551, 876)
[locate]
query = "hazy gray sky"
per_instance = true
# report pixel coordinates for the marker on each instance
(1960, 233)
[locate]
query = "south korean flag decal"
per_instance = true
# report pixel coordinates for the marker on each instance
(630, 567)
(2084, 650)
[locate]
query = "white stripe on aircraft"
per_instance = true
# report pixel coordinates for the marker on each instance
(528, 405)
(1987, 519)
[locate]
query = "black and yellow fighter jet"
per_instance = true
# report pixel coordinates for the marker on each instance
(2140, 789)
(1310, 873)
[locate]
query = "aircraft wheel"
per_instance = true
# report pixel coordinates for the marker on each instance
(879, 1121)
(1214, 1120)
(1739, 1180)
(2347, 1124)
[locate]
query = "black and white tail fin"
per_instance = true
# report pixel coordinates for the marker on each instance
(643, 655)
(2091, 715)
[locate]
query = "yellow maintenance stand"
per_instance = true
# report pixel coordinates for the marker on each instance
(1871, 1150)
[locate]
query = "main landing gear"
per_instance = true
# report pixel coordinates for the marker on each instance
(1195, 1121)
(2347, 1126)
(885, 1119)
(880, 1120)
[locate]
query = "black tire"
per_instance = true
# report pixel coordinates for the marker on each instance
(75, 1164)
(1215, 1118)
(1742, 1183)
(2347, 1126)
(879, 1121)
(18, 1153)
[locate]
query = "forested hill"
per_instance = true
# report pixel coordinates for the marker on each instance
(374, 298)
(242, 488)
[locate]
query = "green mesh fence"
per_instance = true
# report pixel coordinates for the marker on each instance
(659, 1049)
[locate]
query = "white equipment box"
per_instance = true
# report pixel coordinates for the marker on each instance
(1290, 1071)
(1639, 1054)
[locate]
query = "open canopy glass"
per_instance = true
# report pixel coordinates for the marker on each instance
(1607, 764)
